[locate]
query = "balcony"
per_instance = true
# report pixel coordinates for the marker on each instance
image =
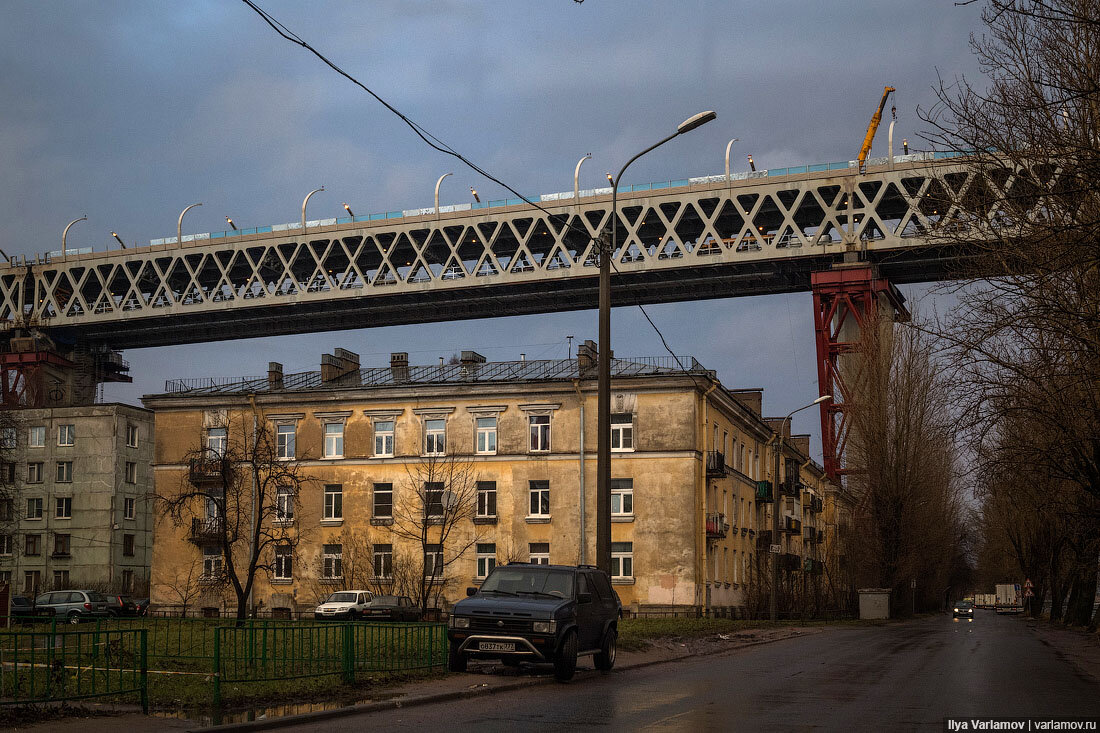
(717, 526)
(716, 464)
(817, 505)
(763, 491)
(204, 471)
(205, 531)
(792, 525)
(810, 534)
(764, 540)
(790, 488)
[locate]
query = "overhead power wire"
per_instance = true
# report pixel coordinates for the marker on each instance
(436, 144)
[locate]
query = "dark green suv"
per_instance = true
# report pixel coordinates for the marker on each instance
(537, 613)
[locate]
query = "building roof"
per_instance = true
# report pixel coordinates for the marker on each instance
(540, 370)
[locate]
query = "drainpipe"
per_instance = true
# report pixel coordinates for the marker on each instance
(706, 596)
(252, 526)
(580, 470)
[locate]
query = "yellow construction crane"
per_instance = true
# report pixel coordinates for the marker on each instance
(876, 118)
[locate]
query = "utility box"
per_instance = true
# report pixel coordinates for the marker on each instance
(874, 603)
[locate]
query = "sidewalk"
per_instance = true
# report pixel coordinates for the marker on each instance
(482, 679)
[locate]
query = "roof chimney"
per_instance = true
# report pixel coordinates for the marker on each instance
(399, 366)
(337, 365)
(586, 357)
(471, 362)
(274, 375)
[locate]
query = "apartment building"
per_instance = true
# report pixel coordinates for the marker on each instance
(690, 475)
(74, 511)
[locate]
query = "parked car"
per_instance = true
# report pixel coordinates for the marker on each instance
(74, 605)
(343, 604)
(142, 606)
(392, 608)
(121, 606)
(23, 611)
(537, 613)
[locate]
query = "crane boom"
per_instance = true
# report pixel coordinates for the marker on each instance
(872, 128)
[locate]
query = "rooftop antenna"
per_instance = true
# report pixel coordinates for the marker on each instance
(570, 347)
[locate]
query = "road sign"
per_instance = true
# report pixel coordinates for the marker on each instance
(1028, 593)
(774, 549)
(1027, 583)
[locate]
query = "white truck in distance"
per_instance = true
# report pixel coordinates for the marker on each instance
(1009, 599)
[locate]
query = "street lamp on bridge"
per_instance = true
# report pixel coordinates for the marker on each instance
(608, 245)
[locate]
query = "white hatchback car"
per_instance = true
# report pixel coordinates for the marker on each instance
(344, 604)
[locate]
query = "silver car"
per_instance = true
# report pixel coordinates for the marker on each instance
(73, 606)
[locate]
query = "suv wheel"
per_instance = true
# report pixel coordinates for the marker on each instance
(456, 660)
(565, 664)
(74, 618)
(605, 659)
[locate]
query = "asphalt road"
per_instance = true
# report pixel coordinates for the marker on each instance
(896, 677)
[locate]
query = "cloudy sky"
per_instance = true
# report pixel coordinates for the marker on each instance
(130, 111)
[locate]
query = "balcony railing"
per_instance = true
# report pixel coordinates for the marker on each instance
(817, 505)
(206, 470)
(207, 530)
(810, 534)
(716, 464)
(717, 526)
(763, 491)
(792, 525)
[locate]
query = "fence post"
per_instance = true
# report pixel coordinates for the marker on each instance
(348, 655)
(144, 671)
(217, 669)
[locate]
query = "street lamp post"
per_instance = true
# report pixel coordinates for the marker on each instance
(603, 376)
(773, 602)
(179, 225)
(306, 201)
(65, 234)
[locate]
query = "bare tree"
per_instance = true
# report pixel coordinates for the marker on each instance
(241, 500)
(10, 509)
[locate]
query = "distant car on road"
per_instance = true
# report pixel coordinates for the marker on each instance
(392, 608)
(963, 609)
(343, 605)
(74, 605)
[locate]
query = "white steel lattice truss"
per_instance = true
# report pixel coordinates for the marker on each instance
(740, 221)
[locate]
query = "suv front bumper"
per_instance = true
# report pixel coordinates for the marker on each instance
(539, 647)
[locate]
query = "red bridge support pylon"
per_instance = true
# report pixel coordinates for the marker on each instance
(846, 299)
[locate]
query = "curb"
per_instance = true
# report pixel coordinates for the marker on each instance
(418, 700)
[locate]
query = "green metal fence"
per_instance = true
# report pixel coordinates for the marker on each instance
(47, 664)
(267, 651)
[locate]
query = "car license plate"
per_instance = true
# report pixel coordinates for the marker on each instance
(497, 646)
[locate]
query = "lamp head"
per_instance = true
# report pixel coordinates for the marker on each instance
(695, 121)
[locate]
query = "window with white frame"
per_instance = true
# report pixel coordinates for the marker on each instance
(129, 507)
(64, 471)
(6, 544)
(285, 434)
(622, 497)
(486, 499)
(34, 508)
(334, 501)
(63, 507)
(486, 558)
(435, 437)
(211, 562)
(60, 579)
(540, 499)
(284, 504)
(539, 430)
(34, 473)
(217, 441)
(5, 577)
(487, 435)
(332, 562)
(66, 435)
(433, 561)
(131, 472)
(622, 432)
(284, 562)
(382, 558)
(539, 553)
(383, 501)
(383, 438)
(36, 437)
(334, 440)
(433, 499)
(622, 560)
(128, 581)
(131, 436)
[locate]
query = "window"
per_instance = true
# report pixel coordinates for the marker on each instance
(36, 437)
(7, 510)
(334, 501)
(211, 562)
(435, 437)
(487, 435)
(64, 471)
(383, 439)
(486, 558)
(540, 499)
(8, 438)
(6, 544)
(128, 545)
(5, 577)
(622, 497)
(217, 440)
(383, 561)
(383, 501)
(433, 561)
(334, 440)
(539, 426)
(486, 498)
(622, 432)
(34, 508)
(332, 562)
(284, 441)
(540, 553)
(131, 436)
(284, 504)
(433, 499)
(66, 435)
(61, 544)
(60, 579)
(32, 581)
(284, 562)
(34, 473)
(131, 472)
(63, 507)
(32, 544)
(128, 581)
(129, 507)
(7, 473)
(622, 560)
